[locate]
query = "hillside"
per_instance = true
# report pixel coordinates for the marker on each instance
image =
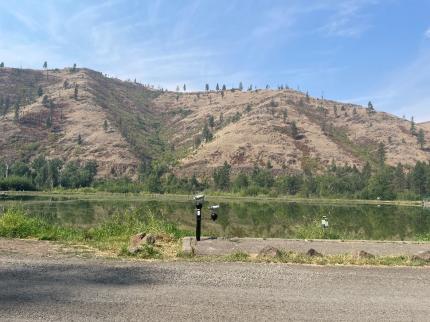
(120, 124)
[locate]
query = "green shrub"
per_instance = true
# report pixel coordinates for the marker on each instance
(15, 224)
(16, 183)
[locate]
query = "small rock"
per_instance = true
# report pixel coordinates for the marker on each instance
(269, 251)
(364, 254)
(135, 242)
(423, 255)
(313, 253)
(149, 239)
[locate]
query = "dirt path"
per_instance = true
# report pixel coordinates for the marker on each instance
(44, 249)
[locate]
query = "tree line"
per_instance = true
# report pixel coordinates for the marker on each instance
(378, 181)
(43, 173)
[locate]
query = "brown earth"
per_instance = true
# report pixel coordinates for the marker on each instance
(250, 128)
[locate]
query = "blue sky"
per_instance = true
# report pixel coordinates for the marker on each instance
(349, 50)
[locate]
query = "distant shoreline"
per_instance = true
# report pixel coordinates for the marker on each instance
(98, 195)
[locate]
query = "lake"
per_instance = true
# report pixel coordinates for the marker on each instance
(243, 219)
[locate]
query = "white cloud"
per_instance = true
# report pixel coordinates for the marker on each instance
(427, 33)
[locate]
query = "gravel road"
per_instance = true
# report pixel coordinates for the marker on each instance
(66, 289)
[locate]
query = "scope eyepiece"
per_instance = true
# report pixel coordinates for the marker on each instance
(199, 199)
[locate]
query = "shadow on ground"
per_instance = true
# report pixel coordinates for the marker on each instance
(41, 282)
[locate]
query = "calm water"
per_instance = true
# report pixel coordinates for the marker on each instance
(245, 219)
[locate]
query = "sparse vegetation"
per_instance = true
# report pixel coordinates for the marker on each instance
(112, 235)
(207, 135)
(76, 91)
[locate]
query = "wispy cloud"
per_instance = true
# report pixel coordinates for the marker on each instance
(349, 18)
(427, 33)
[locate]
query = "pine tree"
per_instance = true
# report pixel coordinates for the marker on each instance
(45, 67)
(217, 87)
(284, 114)
(177, 88)
(185, 88)
(75, 95)
(206, 133)
(294, 130)
(79, 139)
(40, 91)
(207, 87)
(221, 177)
(49, 122)
(16, 115)
(413, 127)
(211, 121)
(381, 154)
(45, 101)
(370, 109)
(421, 138)
(1, 65)
(197, 141)
(224, 88)
(240, 86)
(105, 125)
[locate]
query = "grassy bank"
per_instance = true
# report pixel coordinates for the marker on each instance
(113, 235)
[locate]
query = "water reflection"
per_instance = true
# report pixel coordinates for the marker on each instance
(246, 219)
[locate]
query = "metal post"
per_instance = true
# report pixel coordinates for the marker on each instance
(199, 200)
(198, 222)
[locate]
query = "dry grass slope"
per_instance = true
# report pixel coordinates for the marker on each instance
(250, 128)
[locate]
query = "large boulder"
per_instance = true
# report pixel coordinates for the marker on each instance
(136, 241)
(423, 255)
(269, 251)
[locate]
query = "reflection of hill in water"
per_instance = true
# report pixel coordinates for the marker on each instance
(249, 219)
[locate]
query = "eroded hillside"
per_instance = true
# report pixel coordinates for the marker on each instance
(121, 124)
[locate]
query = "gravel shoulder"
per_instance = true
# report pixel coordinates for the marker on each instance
(225, 246)
(55, 286)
